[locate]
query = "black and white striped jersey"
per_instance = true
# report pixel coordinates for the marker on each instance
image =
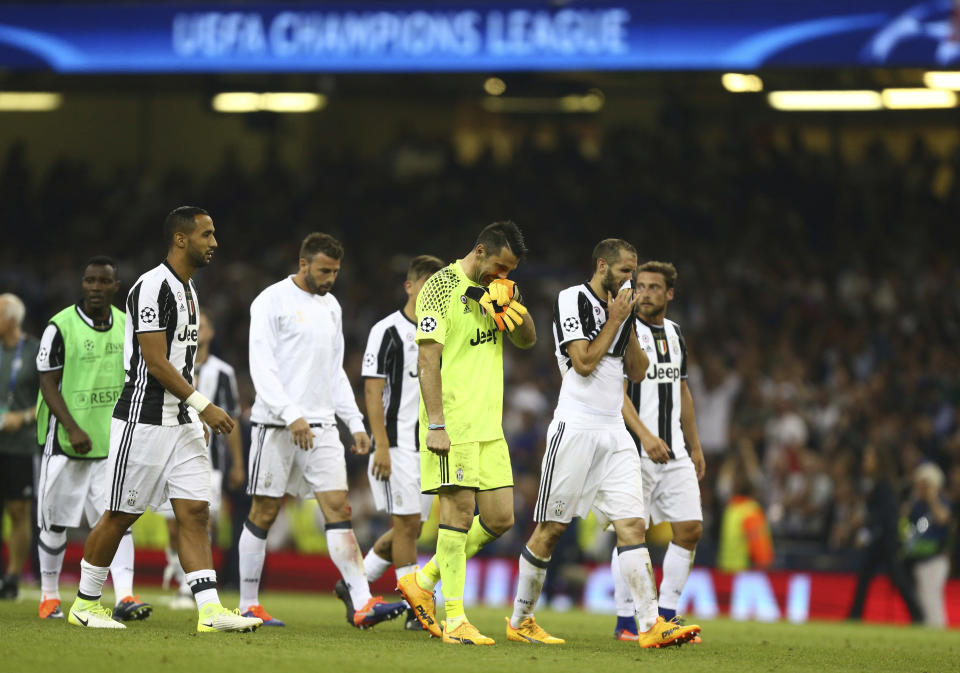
(580, 314)
(392, 355)
(217, 381)
(158, 302)
(657, 398)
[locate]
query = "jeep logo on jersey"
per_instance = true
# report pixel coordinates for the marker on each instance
(483, 337)
(188, 333)
(664, 372)
(428, 324)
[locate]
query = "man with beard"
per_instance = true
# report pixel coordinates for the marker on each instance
(296, 363)
(659, 413)
(80, 366)
(463, 312)
(157, 447)
(591, 460)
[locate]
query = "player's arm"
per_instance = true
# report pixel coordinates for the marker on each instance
(153, 346)
(586, 355)
(431, 392)
(238, 473)
(657, 450)
(688, 423)
(525, 335)
(50, 389)
(635, 360)
(373, 395)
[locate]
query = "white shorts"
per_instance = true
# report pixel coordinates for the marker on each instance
(400, 494)
(216, 497)
(149, 464)
(70, 489)
(671, 491)
(589, 464)
(278, 466)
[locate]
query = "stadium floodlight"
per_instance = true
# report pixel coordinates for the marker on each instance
(736, 82)
(494, 86)
(918, 99)
(283, 102)
(825, 101)
(30, 101)
(942, 80)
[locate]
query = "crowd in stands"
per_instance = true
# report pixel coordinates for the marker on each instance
(819, 294)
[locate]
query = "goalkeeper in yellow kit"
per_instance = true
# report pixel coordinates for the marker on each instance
(464, 311)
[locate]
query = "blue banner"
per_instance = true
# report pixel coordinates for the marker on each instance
(450, 37)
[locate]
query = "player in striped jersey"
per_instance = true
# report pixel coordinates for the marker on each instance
(658, 411)
(591, 461)
(393, 404)
(157, 447)
(218, 382)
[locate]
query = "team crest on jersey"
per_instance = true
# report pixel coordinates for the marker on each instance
(459, 473)
(675, 347)
(571, 324)
(466, 306)
(267, 480)
(662, 346)
(558, 507)
(147, 314)
(179, 295)
(369, 360)
(132, 497)
(398, 499)
(428, 324)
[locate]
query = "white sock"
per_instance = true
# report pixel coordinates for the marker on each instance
(252, 551)
(51, 548)
(91, 581)
(637, 572)
(405, 570)
(676, 568)
(533, 573)
(621, 592)
(374, 566)
(203, 583)
(121, 568)
(345, 554)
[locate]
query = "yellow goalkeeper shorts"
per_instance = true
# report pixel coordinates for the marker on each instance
(483, 466)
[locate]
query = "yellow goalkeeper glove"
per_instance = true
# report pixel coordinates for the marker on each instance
(506, 317)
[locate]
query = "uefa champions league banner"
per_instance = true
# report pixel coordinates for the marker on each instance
(463, 36)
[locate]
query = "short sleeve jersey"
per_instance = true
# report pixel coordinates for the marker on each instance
(217, 381)
(471, 370)
(391, 355)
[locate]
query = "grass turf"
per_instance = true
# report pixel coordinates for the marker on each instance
(318, 638)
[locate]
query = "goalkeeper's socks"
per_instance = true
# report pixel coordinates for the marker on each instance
(628, 624)
(667, 613)
(452, 560)
(478, 537)
(429, 574)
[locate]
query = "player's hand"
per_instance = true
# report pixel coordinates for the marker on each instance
(509, 317)
(361, 444)
(503, 291)
(621, 306)
(302, 434)
(381, 463)
(438, 441)
(236, 477)
(79, 440)
(12, 421)
(218, 419)
(699, 463)
(657, 450)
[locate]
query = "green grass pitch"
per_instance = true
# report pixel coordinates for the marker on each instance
(318, 639)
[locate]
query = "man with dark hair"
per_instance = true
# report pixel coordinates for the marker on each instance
(393, 401)
(591, 461)
(80, 366)
(18, 444)
(296, 363)
(182, 220)
(659, 413)
(463, 312)
(157, 447)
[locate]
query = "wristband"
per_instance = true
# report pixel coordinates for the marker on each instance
(436, 426)
(197, 401)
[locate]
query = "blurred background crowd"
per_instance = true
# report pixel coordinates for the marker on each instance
(819, 292)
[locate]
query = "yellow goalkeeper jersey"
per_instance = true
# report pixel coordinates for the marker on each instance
(471, 370)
